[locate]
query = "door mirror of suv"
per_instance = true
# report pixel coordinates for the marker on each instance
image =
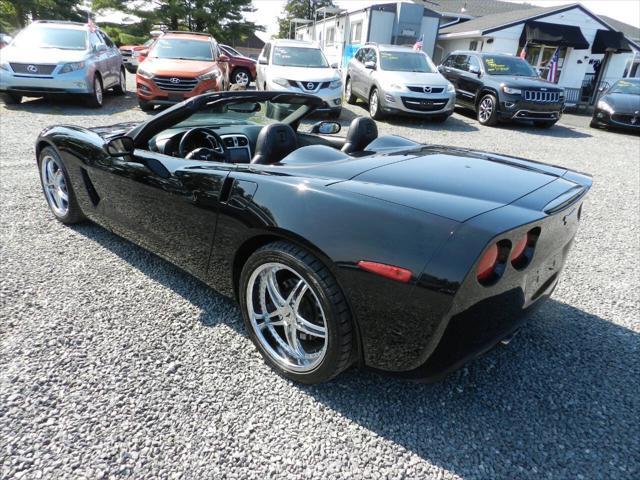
(101, 48)
(262, 60)
(120, 146)
(370, 65)
(334, 65)
(222, 58)
(473, 69)
(326, 128)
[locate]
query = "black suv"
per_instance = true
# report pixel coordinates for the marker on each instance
(502, 87)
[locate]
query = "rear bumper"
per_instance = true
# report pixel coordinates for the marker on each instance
(148, 91)
(77, 82)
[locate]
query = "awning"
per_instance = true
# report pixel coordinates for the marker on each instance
(553, 34)
(610, 40)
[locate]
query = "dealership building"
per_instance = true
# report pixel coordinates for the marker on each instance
(594, 50)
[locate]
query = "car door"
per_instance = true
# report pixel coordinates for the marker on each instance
(263, 63)
(469, 79)
(368, 76)
(115, 58)
(164, 203)
(101, 58)
(223, 66)
(356, 72)
(446, 69)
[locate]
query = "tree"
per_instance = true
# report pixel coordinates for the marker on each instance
(17, 14)
(224, 19)
(299, 9)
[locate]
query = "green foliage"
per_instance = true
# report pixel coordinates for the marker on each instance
(15, 15)
(299, 9)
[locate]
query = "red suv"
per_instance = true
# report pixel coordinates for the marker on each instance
(181, 65)
(243, 69)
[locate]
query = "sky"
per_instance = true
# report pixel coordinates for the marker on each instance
(628, 11)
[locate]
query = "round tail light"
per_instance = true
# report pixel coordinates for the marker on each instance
(488, 262)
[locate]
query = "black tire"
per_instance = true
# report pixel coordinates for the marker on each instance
(74, 213)
(545, 123)
(339, 328)
(12, 98)
(491, 118)
(242, 73)
(374, 108)
(96, 97)
(594, 124)
(350, 98)
(132, 69)
(121, 87)
(145, 106)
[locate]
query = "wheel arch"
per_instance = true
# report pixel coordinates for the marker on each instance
(484, 91)
(252, 244)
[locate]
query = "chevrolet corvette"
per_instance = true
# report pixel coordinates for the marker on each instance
(365, 250)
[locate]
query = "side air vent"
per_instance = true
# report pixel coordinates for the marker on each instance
(91, 191)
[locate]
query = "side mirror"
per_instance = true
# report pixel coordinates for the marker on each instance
(262, 61)
(101, 48)
(141, 53)
(222, 58)
(326, 128)
(474, 70)
(370, 65)
(334, 65)
(120, 146)
(601, 89)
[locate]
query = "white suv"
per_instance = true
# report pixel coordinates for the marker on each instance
(296, 66)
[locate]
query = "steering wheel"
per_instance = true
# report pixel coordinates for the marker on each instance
(216, 148)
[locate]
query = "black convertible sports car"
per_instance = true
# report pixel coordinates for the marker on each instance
(371, 251)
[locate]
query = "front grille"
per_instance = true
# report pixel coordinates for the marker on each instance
(32, 68)
(421, 89)
(308, 86)
(633, 120)
(424, 105)
(176, 84)
(542, 97)
(126, 53)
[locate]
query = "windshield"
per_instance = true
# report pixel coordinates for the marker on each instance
(182, 49)
(247, 112)
(52, 37)
(406, 62)
(503, 65)
(629, 87)
(299, 57)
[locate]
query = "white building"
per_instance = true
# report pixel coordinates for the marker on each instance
(593, 52)
(341, 33)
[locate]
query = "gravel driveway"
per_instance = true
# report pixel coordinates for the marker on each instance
(114, 363)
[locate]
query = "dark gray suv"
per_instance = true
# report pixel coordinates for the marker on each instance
(502, 87)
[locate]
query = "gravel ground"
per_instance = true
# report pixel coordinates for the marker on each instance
(113, 363)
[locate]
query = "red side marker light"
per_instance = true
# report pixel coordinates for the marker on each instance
(519, 248)
(488, 263)
(388, 271)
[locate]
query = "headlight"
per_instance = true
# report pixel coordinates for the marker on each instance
(512, 91)
(602, 105)
(5, 66)
(210, 75)
(71, 67)
(396, 86)
(336, 84)
(451, 88)
(281, 81)
(144, 73)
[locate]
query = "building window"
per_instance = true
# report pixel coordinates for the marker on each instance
(331, 36)
(473, 45)
(356, 32)
(539, 57)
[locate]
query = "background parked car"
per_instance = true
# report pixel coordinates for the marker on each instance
(297, 66)
(398, 80)
(243, 69)
(131, 54)
(181, 65)
(49, 58)
(502, 87)
(619, 106)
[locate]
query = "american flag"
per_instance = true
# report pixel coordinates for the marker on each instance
(418, 44)
(523, 52)
(552, 76)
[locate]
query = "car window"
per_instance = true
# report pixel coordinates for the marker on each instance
(182, 48)
(474, 62)
(106, 39)
(450, 61)
(461, 62)
(406, 62)
(627, 86)
(369, 55)
(308, 57)
(95, 39)
(504, 65)
(51, 37)
(360, 55)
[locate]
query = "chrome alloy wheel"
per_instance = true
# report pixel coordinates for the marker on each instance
(123, 81)
(55, 186)
(97, 89)
(287, 317)
(486, 109)
(373, 103)
(241, 78)
(347, 89)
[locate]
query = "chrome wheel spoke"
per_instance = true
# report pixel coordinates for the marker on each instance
(274, 291)
(305, 326)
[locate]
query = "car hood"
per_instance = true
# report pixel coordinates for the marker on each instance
(304, 74)
(179, 68)
(42, 55)
(623, 103)
(454, 183)
(524, 82)
(412, 78)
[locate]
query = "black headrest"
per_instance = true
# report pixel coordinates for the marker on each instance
(362, 131)
(274, 142)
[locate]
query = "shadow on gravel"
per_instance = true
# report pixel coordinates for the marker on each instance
(560, 401)
(73, 105)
